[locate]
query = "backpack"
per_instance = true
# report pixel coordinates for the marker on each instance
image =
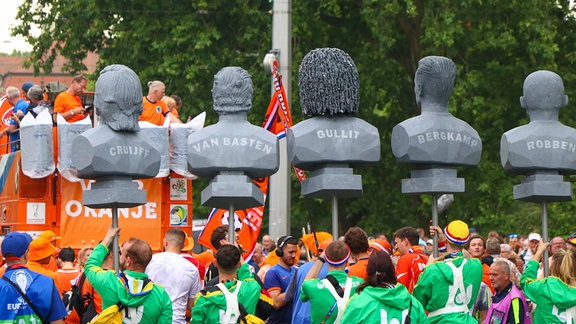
(111, 315)
(234, 309)
(84, 305)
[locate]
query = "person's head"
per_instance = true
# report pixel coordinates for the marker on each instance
(25, 87)
(177, 101)
(379, 271)
(499, 275)
(429, 247)
(557, 243)
(336, 255)
(505, 251)
(35, 94)
(287, 247)
(41, 250)
(15, 247)
(12, 95)
(563, 266)
(78, 85)
(50, 237)
(533, 240)
(135, 255)
(118, 98)
(405, 238)
(83, 255)
(493, 245)
(476, 246)
(232, 90)
(219, 236)
(156, 90)
(457, 235)
(258, 255)
(228, 259)
(171, 103)
(67, 255)
(267, 243)
(513, 240)
(434, 80)
(517, 261)
(174, 240)
(357, 240)
(543, 90)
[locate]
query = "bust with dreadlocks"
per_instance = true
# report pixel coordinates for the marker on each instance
(331, 141)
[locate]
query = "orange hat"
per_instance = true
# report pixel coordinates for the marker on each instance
(322, 246)
(40, 248)
(188, 244)
(381, 245)
(49, 236)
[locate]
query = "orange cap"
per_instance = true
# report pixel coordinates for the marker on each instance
(49, 236)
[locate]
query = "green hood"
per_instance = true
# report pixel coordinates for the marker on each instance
(135, 288)
(397, 297)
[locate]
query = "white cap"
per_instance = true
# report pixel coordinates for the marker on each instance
(534, 237)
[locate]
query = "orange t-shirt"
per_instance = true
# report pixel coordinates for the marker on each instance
(66, 102)
(410, 266)
(154, 112)
(358, 269)
(175, 113)
(65, 276)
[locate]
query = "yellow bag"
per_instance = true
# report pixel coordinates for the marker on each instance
(112, 314)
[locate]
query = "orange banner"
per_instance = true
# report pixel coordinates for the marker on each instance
(82, 225)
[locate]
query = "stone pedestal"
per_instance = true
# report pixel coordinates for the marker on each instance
(236, 189)
(433, 180)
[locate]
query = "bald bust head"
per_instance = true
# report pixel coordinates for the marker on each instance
(543, 90)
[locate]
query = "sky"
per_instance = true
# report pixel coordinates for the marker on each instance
(8, 43)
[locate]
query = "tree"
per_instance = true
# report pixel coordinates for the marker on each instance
(494, 44)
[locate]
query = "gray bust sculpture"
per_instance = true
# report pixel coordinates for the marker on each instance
(544, 148)
(435, 141)
(333, 141)
(114, 153)
(232, 151)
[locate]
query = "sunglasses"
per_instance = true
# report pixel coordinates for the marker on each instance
(513, 236)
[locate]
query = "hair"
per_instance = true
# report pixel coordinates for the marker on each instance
(409, 233)
(337, 251)
(118, 98)
(79, 78)
(171, 103)
(176, 237)
(177, 99)
(357, 240)
(437, 70)
(291, 240)
(328, 83)
(380, 271)
(155, 85)
(503, 266)
(12, 92)
(564, 266)
(476, 236)
(67, 254)
(139, 251)
(227, 258)
(82, 253)
(217, 235)
(505, 248)
(35, 92)
(493, 245)
(232, 90)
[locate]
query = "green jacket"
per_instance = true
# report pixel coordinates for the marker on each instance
(146, 303)
(321, 300)
(551, 295)
(374, 304)
(437, 293)
(210, 303)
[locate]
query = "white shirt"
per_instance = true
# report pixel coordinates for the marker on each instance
(180, 279)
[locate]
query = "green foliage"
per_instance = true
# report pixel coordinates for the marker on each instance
(494, 44)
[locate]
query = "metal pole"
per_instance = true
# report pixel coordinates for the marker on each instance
(545, 237)
(231, 232)
(115, 240)
(335, 218)
(435, 223)
(279, 185)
